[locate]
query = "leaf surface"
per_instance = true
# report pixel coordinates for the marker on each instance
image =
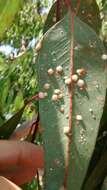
(88, 50)
(88, 12)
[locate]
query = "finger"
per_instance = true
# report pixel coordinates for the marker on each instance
(5, 184)
(23, 154)
(19, 161)
(20, 175)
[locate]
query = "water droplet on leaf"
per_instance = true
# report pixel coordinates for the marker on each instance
(62, 109)
(79, 117)
(81, 72)
(46, 86)
(104, 57)
(59, 69)
(57, 91)
(66, 130)
(68, 81)
(50, 71)
(81, 83)
(74, 78)
(54, 97)
(60, 96)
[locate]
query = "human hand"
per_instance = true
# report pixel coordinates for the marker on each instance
(6, 184)
(19, 161)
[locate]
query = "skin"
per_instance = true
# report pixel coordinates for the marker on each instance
(6, 184)
(19, 161)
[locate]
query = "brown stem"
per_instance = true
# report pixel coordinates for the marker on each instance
(69, 5)
(58, 10)
(71, 97)
(78, 6)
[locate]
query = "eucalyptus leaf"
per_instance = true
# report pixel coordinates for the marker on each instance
(88, 12)
(87, 102)
(9, 126)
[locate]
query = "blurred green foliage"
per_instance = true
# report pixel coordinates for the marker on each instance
(18, 74)
(18, 78)
(28, 24)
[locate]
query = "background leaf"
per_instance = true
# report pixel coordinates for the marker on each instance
(8, 127)
(98, 174)
(8, 10)
(104, 186)
(88, 52)
(98, 157)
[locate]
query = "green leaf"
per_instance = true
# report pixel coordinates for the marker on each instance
(88, 12)
(104, 186)
(88, 52)
(97, 176)
(103, 122)
(8, 10)
(100, 148)
(8, 127)
(19, 101)
(4, 92)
